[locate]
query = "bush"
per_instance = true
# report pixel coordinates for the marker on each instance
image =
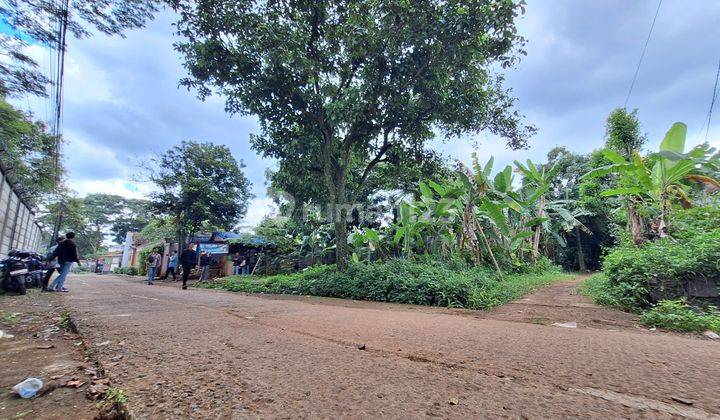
(677, 315)
(660, 270)
(599, 289)
(400, 281)
(130, 271)
(80, 269)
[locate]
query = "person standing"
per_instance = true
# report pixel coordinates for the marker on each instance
(245, 265)
(204, 265)
(66, 253)
(188, 260)
(172, 266)
(153, 262)
(52, 264)
(236, 263)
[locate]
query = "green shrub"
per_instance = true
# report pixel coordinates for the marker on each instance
(80, 269)
(400, 281)
(677, 315)
(599, 289)
(130, 271)
(660, 270)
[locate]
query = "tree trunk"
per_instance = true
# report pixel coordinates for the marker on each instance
(580, 252)
(490, 251)
(538, 230)
(636, 224)
(341, 248)
(662, 223)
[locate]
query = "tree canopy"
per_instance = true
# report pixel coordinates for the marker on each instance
(27, 151)
(339, 87)
(200, 185)
(36, 22)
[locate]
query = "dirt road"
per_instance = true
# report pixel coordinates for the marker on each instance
(204, 353)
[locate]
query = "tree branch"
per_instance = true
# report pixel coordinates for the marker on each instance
(377, 159)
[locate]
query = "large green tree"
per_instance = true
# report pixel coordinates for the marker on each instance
(199, 185)
(134, 217)
(36, 21)
(26, 151)
(623, 135)
(339, 86)
(100, 210)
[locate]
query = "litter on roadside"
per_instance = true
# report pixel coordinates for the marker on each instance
(28, 388)
(566, 324)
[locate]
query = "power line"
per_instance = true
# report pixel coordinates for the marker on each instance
(712, 103)
(642, 56)
(58, 83)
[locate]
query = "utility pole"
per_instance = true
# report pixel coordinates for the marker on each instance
(57, 131)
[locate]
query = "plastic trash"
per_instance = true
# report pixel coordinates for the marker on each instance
(28, 388)
(3, 334)
(566, 324)
(711, 334)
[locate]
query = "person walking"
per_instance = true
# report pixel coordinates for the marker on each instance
(66, 253)
(172, 266)
(188, 260)
(153, 262)
(204, 265)
(52, 264)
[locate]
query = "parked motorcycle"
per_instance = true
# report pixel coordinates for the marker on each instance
(21, 270)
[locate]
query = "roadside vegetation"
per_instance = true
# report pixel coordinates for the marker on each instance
(454, 285)
(677, 315)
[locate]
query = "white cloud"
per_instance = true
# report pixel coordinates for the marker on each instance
(258, 209)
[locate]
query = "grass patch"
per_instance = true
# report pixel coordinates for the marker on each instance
(677, 315)
(11, 317)
(400, 281)
(113, 404)
(599, 289)
(65, 322)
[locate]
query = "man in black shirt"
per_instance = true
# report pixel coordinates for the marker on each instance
(66, 254)
(188, 260)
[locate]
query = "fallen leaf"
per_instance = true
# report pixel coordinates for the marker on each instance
(74, 384)
(104, 343)
(454, 401)
(97, 388)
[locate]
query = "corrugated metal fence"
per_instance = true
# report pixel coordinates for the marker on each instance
(18, 228)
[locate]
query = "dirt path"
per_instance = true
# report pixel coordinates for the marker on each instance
(203, 353)
(40, 349)
(561, 303)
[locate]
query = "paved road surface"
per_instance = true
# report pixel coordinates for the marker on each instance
(204, 353)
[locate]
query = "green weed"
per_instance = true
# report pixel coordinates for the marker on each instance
(11, 317)
(677, 315)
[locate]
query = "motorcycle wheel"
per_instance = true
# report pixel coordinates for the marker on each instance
(29, 281)
(21, 289)
(14, 285)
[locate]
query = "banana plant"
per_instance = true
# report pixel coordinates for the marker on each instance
(539, 179)
(662, 176)
(410, 228)
(363, 241)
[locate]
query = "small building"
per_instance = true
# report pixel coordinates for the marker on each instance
(108, 261)
(221, 246)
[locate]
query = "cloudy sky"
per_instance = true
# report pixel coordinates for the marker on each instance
(123, 104)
